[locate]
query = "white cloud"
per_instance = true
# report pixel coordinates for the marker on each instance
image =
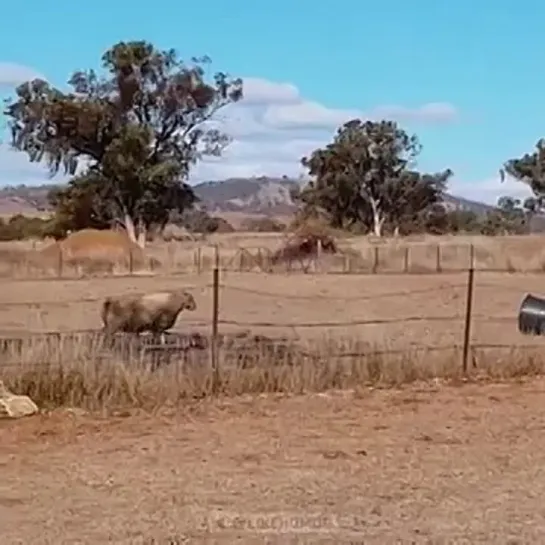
(305, 114)
(12, 74)
(433, 112)
(262, 92)
(490, 189)
(272, 128)
(15, 169)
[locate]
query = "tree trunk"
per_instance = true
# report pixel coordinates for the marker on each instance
(378, 219)
(136, 233)
(142, 232)
(128, 223)
(141, 238)
(396, 231)
(378, 222)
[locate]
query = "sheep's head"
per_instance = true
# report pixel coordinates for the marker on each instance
(188, 301)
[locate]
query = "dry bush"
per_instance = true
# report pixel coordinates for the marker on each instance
(64, 371)
(177, 233)
(85, 252)
(304, 243)
(223, 226)
(262, 225)
(352, 254)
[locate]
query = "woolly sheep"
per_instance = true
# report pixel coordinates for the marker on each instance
(155, 312)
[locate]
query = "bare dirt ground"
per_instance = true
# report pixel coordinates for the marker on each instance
(292, 304)
(419, 465)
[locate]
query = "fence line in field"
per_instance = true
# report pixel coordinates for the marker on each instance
(466, 318)
(260, 260)
(261, 293)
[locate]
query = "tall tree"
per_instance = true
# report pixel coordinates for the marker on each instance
(137, 130)
(364, 177)
(530, 170)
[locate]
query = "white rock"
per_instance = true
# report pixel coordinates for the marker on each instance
(15, 406)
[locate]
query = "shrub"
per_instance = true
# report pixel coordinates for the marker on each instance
(263, 225)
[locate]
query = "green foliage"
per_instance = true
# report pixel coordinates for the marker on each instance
(530, 170)
(365, 178)
(508, 219)
(511, 217)
(263, 225)
(199, 221)
(20, 227)
(137, 131)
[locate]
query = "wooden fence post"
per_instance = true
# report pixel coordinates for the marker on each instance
(406, 260)
(199, 260)
(61, 264)
(438, 267)
(346, 263)
(469, 310)
(375, 259)
(215, 320)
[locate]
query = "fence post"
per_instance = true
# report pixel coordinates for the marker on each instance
(406, 265)
(375, 259)
(318, 255)
(215, 320)
(469, 310)
(438, 267)
(198, 260)
(61, 263)
(346, 263)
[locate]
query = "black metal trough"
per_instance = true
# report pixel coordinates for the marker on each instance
(532, 315)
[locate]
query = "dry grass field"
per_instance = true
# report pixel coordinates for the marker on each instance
(238, 252)
(416, 326)
(323, 441)
(408, 309)
(422, 464)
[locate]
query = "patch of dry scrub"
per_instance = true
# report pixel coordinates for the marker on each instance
(87, 253)
(83, 253)
(81, 373)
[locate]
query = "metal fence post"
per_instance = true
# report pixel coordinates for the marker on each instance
(469, 310)
(215, 320)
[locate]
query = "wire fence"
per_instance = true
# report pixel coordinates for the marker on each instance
(175, 258)
(458, 325)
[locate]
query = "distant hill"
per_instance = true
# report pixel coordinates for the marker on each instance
(253, 196)
(25, 200)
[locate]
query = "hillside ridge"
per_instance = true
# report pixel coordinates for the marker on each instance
(266, 196)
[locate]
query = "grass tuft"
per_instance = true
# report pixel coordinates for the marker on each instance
(82, 374)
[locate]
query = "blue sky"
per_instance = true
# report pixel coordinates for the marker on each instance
(465, 76)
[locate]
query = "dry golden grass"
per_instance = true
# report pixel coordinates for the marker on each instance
(297, 306)
(422, 464)
(84, 375)
(78, 372)
(318, 435)
(416, 319)
(252, 251)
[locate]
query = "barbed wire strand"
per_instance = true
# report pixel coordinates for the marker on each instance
(369, 297)
(294, 325)
(337, 355)
(341, 297)
(276, 295)
(192, 271)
